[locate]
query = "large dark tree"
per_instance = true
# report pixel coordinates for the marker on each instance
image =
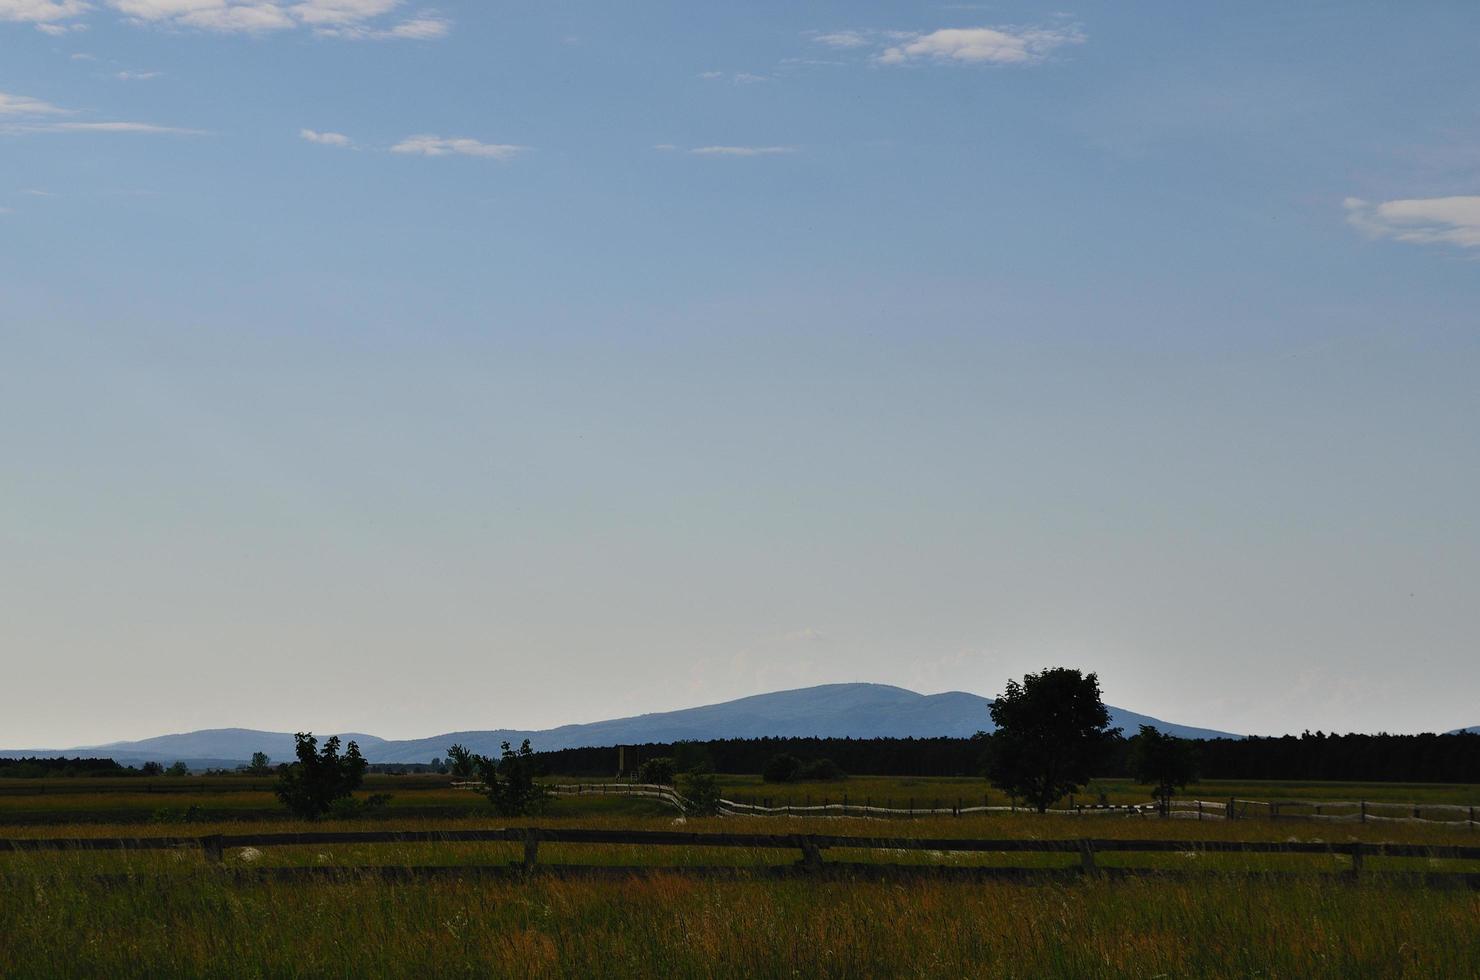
(310, 786)
(1165, 762)
(1053, 731)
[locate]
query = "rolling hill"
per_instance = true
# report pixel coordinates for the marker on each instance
(830, 710)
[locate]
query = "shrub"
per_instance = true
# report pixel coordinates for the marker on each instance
(823, 771)
(178, 769)
(310, 787)
(1165, 762)
(701, 790)
(659, 771)
(510, 782)
(783, 768)
(261, 765)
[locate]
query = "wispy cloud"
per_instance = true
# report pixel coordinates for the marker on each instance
(350, 19)
(325, 139)
(741, 151)
(114, 127)
(21, 105)
(1420, 221)
(739, 77)
(842, 39)
(437, 146)
(21, 114)
(41, 11)
(137, 76)
(982, 45)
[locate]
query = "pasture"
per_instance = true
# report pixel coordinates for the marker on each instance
(174, 913)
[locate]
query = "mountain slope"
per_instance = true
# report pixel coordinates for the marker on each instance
(831, 710)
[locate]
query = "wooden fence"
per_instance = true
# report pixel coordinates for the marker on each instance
(811, 848)
(1232, 808)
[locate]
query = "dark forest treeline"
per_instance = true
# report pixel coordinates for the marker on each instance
(41, 768)
(1311, 756)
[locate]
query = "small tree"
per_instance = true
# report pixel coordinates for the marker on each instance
(152, 769)
(178, 769)
(462, 762)
(701, 790)
(510, 783)
(260, 764)
(1052, 731)
(782, 768)
(659, 771)
(310, 786)
(1164, 762)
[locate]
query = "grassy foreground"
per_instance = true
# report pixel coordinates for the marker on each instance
(198, 925)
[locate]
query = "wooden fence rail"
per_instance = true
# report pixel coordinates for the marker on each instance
(810, 846)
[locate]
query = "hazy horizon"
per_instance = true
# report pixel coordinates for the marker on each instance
(412, 367)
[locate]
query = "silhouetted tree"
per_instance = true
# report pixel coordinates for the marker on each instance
(310, 786)
(260, 765)
(178, 769)
(509, 782)
(1164, 762)
(462, 762)
(1052, 731)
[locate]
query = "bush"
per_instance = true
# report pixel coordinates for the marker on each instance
(782, 768)
(658, 771)
(823, 771)
(310, 787)
(462, 762)
(510, 784)
(701, 790)
(349, 808)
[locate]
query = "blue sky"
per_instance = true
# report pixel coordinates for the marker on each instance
(486, 364)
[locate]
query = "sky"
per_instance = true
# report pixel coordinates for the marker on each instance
(403, 367)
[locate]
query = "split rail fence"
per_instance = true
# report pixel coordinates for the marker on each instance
(1232, 808)
(811, 848)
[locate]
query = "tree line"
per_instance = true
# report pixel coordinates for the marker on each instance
(1310, 756)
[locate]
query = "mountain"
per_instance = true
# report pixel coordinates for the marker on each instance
(831, 710)
(1472, 730)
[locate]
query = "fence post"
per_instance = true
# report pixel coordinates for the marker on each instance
(811, 854)
(960, 804)
(912, 808)
(1356, 860)
(1274, 810)
(210, 848)
(1364, 811)
(531, 847)
(1230, 809)
(1087, 856)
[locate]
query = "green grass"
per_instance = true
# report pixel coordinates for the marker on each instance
(195, 924)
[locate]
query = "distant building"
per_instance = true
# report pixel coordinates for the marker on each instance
(627, 760)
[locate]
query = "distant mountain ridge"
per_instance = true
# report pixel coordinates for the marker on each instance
(829, 710)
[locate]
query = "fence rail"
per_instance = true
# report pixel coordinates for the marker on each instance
(810, 846)
(1232, 808)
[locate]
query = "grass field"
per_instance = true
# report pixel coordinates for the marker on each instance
(170, 913)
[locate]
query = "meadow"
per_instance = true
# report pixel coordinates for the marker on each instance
(170, 913)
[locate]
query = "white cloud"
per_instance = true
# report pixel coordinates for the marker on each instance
(114, 127)
(665, 147)
(982, 45)
(41, 11)
(137, 76)
(57, 30)
(351, 19)
(739, 77)
(1422, 220)
(326, 139)
(436, 146)
(842, 39)
(741, 151)
(21, 105)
